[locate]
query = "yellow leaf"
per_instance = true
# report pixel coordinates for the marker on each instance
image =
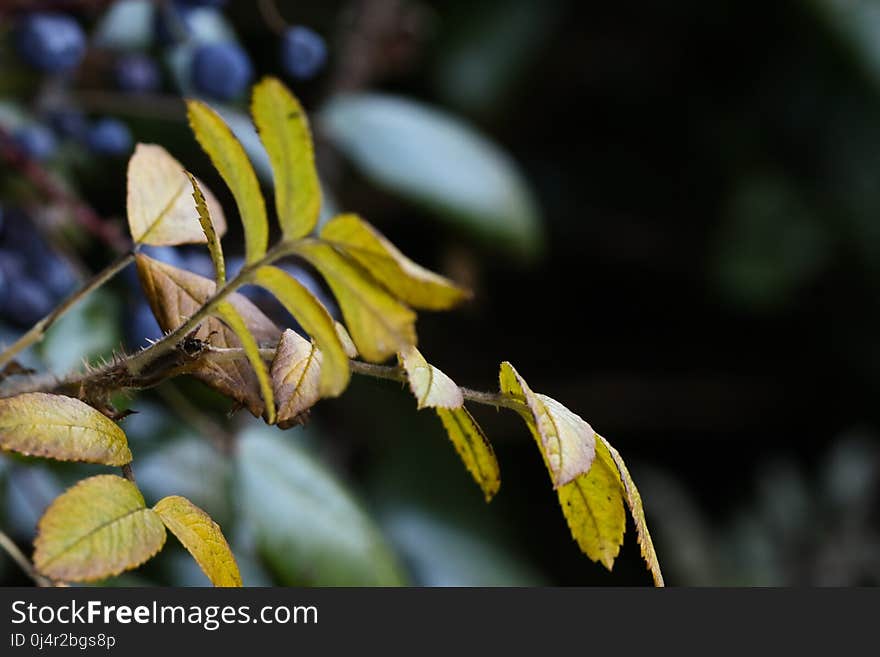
(230, 160)
(409, 282)
(201, 536)
(473, 448)
(175, 294)
(230, 316)
(210, 233)
(296, 376)
(316, 321)
(379, 324)
(160, 209)
(431, 387)
(96, 529)
(593, 507)
(347, 343)
(63, 428)
(567, 442)
(284, 131)
(634, 501)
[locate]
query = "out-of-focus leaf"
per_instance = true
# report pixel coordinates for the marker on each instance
(296, 376)
(209, 229)
(409, 282)
(159, 202)
(233, 320)
(634, 501)
(473, 447)
(307, 527)
(96, 529)
(567, 442)
(379, 324)
(126, 25)
(232, 163)
(63, 428)
(175, 294)
(284, 131)
(29, 492)
(202, 538)
(317, 322)
(85, 332)
(431, 387)
(436, 160)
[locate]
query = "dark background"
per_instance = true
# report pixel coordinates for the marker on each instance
(707, 176)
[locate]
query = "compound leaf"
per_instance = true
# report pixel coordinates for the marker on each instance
(63, 428)
(409, 282)
(98, 528)
(230, 160)
(234, 320)
(380, 325)
(214, 247)
(473, 448)
(567, 442)
(202, 538)
(316, 321)
(160, 211)
(175, 294)
(284, 131)
(296, 376)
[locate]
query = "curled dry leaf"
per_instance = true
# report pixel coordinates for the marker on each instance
(296, 377)
(159, 202)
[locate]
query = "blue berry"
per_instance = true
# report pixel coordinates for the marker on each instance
(221, 70)
(137, 74)
(37, 141)
(68, 124)
(303, 52)
(50, 42)
(109, 137)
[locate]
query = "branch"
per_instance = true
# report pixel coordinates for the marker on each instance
(24, 563)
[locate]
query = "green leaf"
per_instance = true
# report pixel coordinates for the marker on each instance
(207, 223)
(308, 529)
(160, 209)
(379, 324)
(175, 294)
(235, 321)
(229, 158)
(593, 507)
(63, 428)
(431, 387)
(436, 160)
(284, 131)
(473, 448)
(567, 442)
(316, 321)
(409, 282)
(296, 377)
(202, 538)
(97, 529)
(634, 501)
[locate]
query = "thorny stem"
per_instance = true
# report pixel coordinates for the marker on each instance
(38, 330)
(24, 563)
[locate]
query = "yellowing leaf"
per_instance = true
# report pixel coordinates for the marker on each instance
(202, 537)
(160, 208)
(63, 428)
(593, 507)
(409, 282)
(210, 233)
(431, 387)
(347, 343)
(316, 321)
(235, 321)
(634, 501)
(284, 131)
(96, 529)
(473, 448)
(230, 160)
(296, 376)
(175, 294)
(379, 324)
(567, 442)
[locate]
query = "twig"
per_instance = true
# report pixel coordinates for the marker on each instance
(271, 16)
(24, 563)
(150, 106)
(128, 473)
